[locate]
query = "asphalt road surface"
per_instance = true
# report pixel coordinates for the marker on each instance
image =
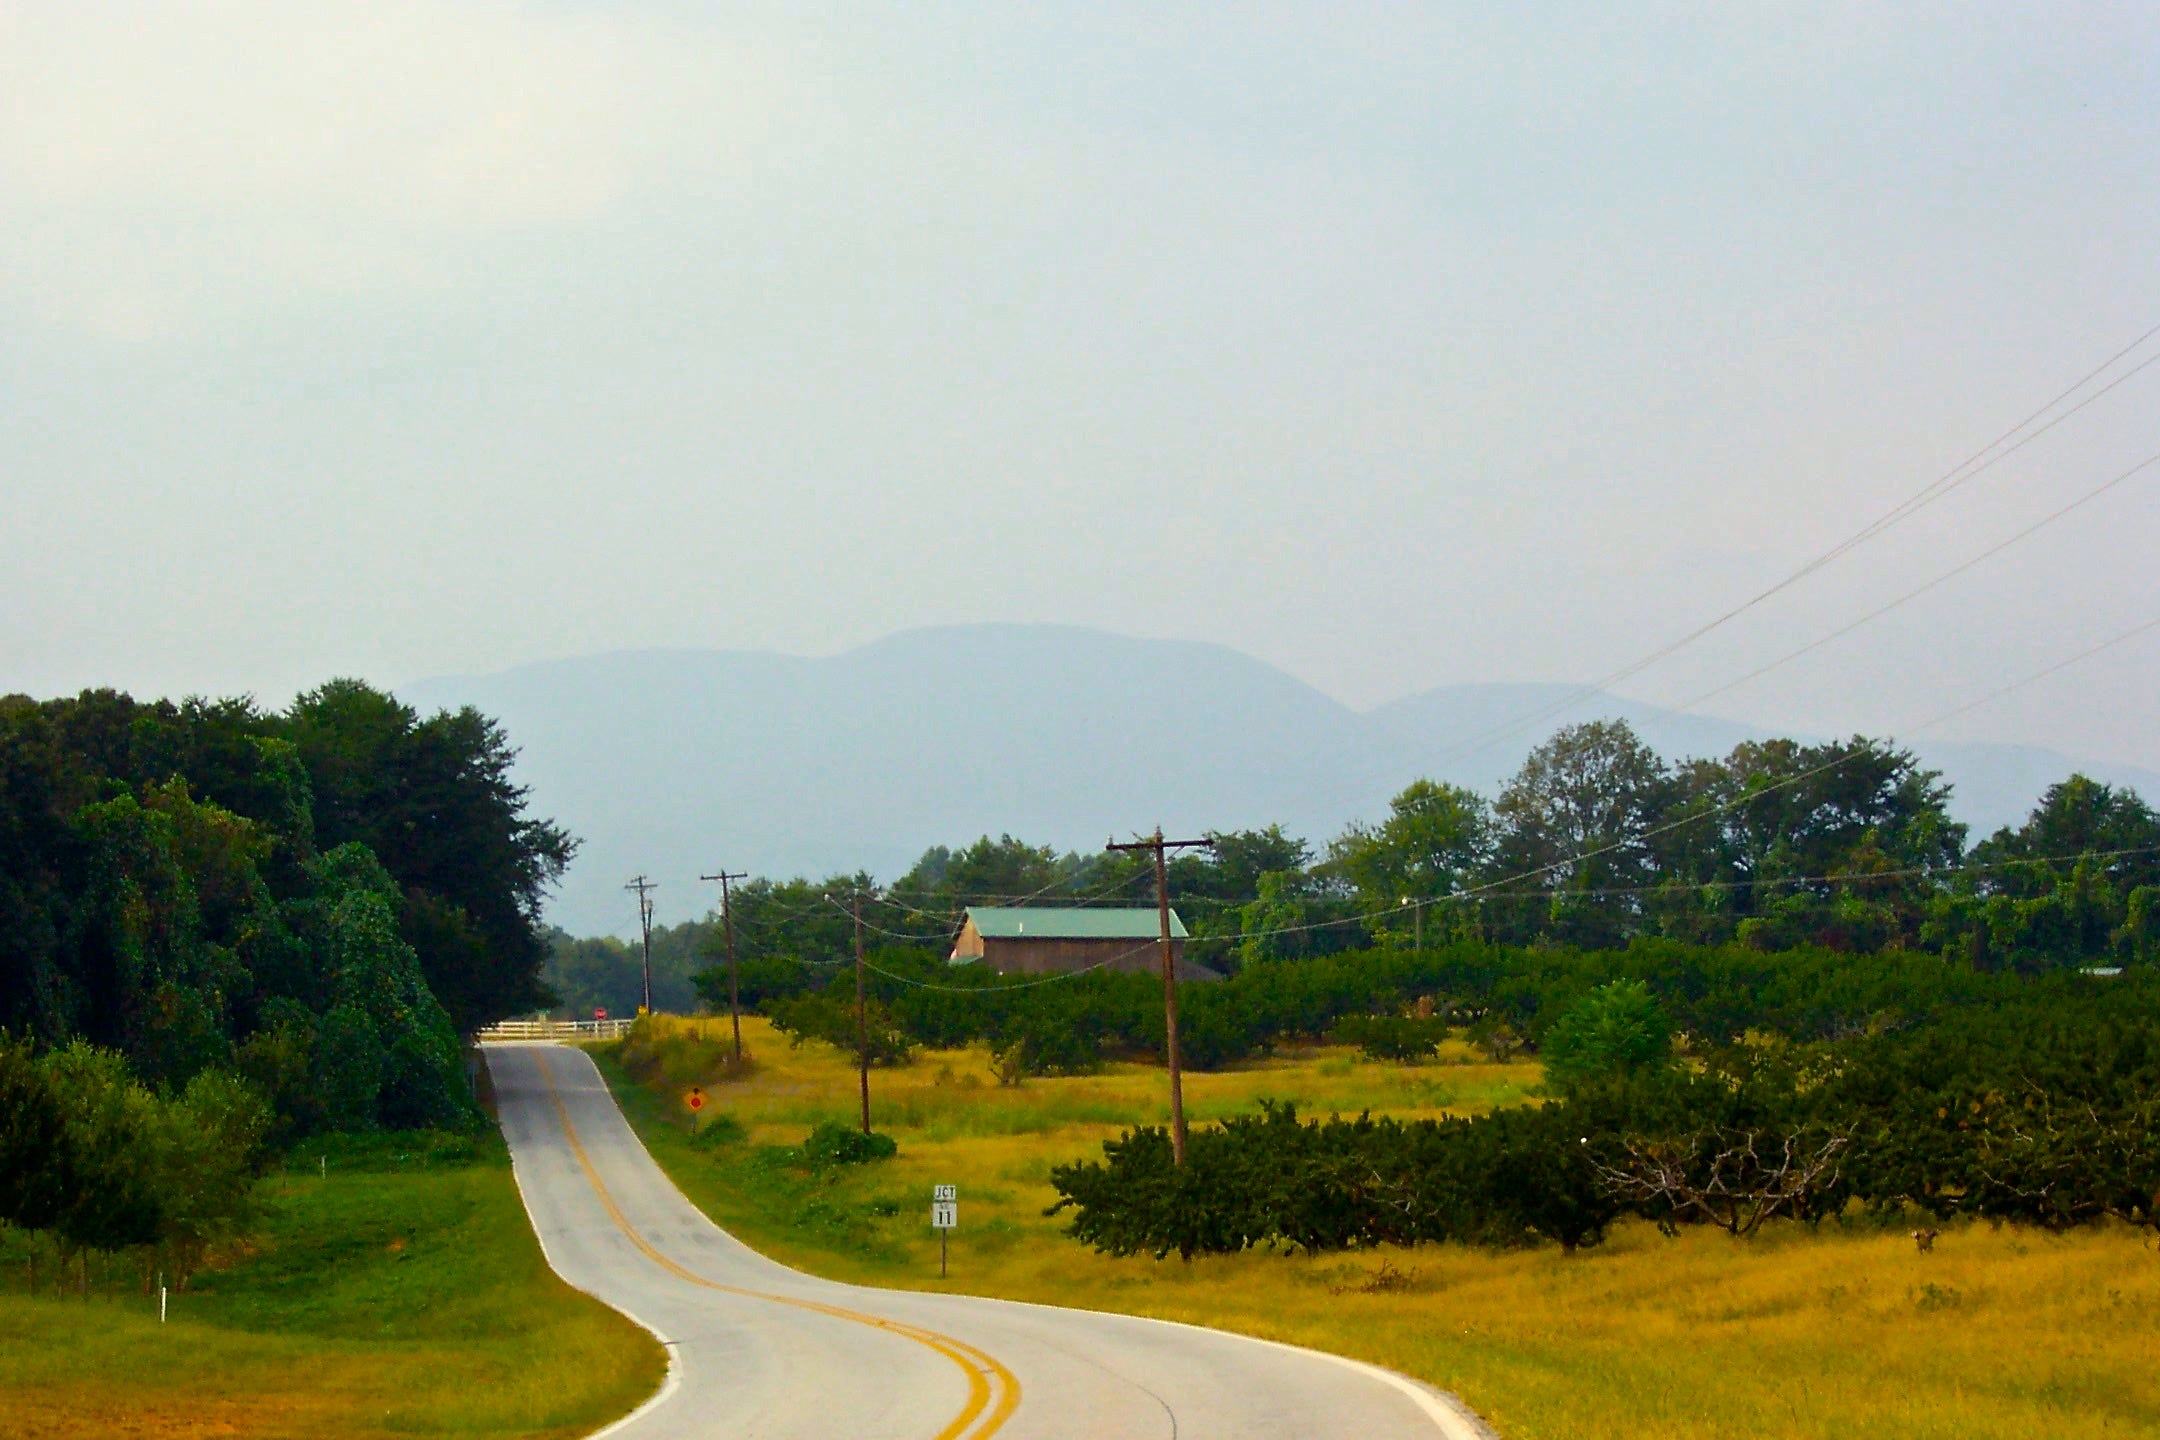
(760, 1350)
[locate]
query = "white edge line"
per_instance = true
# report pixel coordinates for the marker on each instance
(1448, 1411)
(667, 1347)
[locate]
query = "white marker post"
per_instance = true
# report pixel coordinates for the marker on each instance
(944, 1218)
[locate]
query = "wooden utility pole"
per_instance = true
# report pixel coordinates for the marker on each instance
(644, 888)
(734, 978)
(862, 1026)
(1159, 846)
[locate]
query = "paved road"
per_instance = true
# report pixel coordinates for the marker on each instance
(762, 1350)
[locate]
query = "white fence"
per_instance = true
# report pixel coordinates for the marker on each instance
(556, 1030)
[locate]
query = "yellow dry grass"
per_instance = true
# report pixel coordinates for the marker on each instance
(1997, 1333)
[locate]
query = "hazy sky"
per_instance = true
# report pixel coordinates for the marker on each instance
(1396, 346)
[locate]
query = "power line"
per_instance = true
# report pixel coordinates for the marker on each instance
(1951, 574)
(1980, 461)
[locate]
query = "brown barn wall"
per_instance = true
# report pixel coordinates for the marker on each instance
(1051, 957)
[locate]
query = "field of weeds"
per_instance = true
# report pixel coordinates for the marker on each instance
(1999, 1332)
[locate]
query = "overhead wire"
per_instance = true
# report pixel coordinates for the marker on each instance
(1917, 591)
(2002, 447)
(1957, 476)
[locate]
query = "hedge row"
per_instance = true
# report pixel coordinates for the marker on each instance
(2044, 1113)
(1716, 994)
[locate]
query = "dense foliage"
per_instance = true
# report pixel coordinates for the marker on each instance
(100, 1162)
(2045, 1110)
(222, 928)
(1394, 1000)
(321, 898)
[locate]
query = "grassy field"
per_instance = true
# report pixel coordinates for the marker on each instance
(1998, 1333)
(403, 1294)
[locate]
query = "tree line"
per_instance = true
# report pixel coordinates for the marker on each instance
(224, 928)
(1596, 843)
(197, 882)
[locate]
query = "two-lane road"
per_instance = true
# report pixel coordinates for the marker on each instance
(760, 1350)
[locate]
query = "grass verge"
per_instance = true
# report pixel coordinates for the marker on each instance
(1998, 1333)
(399, 1292)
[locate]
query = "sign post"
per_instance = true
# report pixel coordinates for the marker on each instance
(944, 1218)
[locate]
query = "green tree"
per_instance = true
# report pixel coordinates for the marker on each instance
(433, 800)
(376, 976)
(38, 1179)
(1614, 1030)
(112, 1127)
(1575, 827)
(208, 1141)
(1431, 845)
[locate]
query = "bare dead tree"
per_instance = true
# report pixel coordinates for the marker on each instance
(1733, 1179)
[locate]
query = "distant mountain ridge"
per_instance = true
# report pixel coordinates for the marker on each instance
(673, 762)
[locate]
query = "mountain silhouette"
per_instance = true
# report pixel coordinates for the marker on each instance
(673, 762)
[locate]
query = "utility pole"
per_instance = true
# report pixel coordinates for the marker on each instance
(734, 979)
(644, 888)
(862, 1027)
(1159, 846)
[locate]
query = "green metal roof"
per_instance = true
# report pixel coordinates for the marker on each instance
(1021, 922)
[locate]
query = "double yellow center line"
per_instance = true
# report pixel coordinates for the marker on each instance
(991, 1387)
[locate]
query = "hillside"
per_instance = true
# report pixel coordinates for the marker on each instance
(671, 762)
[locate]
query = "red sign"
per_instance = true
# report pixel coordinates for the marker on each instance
(696, 1100)
(599, 1012)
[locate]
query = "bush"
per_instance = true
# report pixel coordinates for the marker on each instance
(1507, 1179)
(1407, 1038)
(1615, 1029)
(832, 1144)
(721, 1130)
(2046, 1113)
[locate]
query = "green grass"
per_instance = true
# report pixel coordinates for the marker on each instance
(402, 1294)
(1999, 1334)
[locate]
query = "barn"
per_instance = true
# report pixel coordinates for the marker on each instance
(1041, 940)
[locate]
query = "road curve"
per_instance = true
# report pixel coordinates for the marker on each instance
(757, 1349)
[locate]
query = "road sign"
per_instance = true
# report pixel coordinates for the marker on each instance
(599, 1012)
(695, 1099)
(944, 1216)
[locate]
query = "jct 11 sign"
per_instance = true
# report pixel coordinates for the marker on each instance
(944, 1216)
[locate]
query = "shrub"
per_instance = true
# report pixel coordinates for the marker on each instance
(1615, 1029)
(1508, 1179)
(1407, 1038)
(832, 1144)
(721, 1130)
